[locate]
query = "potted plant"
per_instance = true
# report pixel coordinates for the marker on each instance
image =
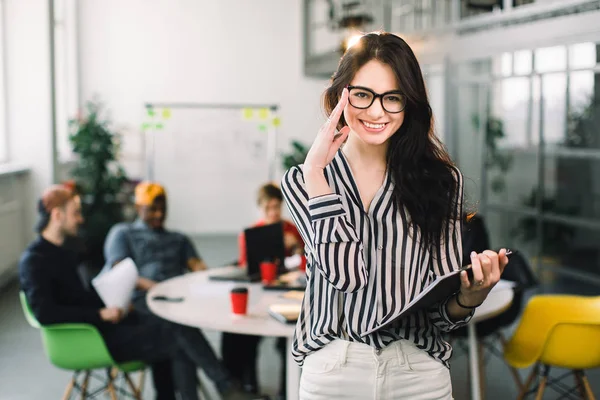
(497, 162)
(296, 156)
(98, 177)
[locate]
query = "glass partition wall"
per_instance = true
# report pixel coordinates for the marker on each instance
(526, 135)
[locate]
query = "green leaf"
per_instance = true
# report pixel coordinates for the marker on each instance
(97, 173)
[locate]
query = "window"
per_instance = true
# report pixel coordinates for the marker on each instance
(542, 110)
(66, 72)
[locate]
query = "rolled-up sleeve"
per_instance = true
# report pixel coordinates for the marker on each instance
(330, 239)
(438, 315)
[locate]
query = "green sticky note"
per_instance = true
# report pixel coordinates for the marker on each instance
(262, 128)
(159, 125)
(146, 126)
(276, 122)
(166, 113)
(247, 113)
(151, 112)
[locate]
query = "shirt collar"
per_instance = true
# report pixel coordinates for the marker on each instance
(140, 224)
(340, 168)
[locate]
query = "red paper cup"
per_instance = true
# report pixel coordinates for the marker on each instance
(239, 300)
(302, 266)
(268, 272)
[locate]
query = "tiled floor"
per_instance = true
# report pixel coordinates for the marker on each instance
(26, 374)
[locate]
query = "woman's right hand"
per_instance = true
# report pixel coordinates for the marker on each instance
(327, 143)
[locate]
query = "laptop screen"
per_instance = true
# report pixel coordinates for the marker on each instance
(264, 243)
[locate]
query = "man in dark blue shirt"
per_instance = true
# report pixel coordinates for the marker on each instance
(48, 275)
(159, 254)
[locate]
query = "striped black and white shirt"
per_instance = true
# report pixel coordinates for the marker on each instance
(364, 267)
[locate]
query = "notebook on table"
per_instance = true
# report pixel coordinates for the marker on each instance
(286, 313)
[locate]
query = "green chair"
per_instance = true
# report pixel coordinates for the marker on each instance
(80, 348)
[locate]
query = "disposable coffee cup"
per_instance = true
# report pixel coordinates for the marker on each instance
(239, 300)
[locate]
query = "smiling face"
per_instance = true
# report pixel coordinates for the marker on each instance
(154, 215)
(374, 125)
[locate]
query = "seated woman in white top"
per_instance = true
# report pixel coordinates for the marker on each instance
(380, 218)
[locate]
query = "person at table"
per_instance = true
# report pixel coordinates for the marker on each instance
(239, 352)
(56, 295)
(378, 202)
(270, 201)
(160, 254)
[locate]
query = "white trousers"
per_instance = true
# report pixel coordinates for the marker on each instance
(349, 370)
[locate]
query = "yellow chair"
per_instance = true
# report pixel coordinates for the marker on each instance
(557, 331)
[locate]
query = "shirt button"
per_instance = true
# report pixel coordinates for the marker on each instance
(378, 351)
(380, 247)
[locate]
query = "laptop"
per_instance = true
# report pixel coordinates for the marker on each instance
(263, 243)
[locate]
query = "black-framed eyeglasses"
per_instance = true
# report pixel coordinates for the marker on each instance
(362, 98)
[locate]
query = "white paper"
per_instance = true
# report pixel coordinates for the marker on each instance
(292, 261)
(116, 285)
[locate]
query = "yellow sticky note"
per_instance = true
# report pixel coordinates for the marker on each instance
(247, 113)
(166, 113)
(276, 122)
(263, 113)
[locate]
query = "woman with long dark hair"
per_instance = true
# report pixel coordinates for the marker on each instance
(381, 218)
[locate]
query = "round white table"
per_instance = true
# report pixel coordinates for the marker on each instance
(207, 305)
(498, 301)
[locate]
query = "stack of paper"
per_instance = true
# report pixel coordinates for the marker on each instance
(116, 285)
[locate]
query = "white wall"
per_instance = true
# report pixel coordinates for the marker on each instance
(27, 59)
(229, 51)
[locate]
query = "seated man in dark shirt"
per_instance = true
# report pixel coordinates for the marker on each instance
(48, 276)
(159, 254)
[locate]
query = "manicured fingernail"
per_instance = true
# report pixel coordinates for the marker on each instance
(473, 254)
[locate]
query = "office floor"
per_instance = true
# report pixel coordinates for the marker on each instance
(25, 373)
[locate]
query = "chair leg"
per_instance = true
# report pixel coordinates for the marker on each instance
(586, 385)
(513, 371)
(481, 360)
(84, 385)
(70, 386)
(542, 387)
(579, 383)
(529, 381)
(136, 393)
(205, 395)
(141, 381)
(110, 384)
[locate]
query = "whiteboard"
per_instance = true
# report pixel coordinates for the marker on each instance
(212, 162)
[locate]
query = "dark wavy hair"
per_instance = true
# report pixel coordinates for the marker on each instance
(425, 178)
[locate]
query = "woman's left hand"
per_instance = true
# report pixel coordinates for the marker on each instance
(487, 269)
